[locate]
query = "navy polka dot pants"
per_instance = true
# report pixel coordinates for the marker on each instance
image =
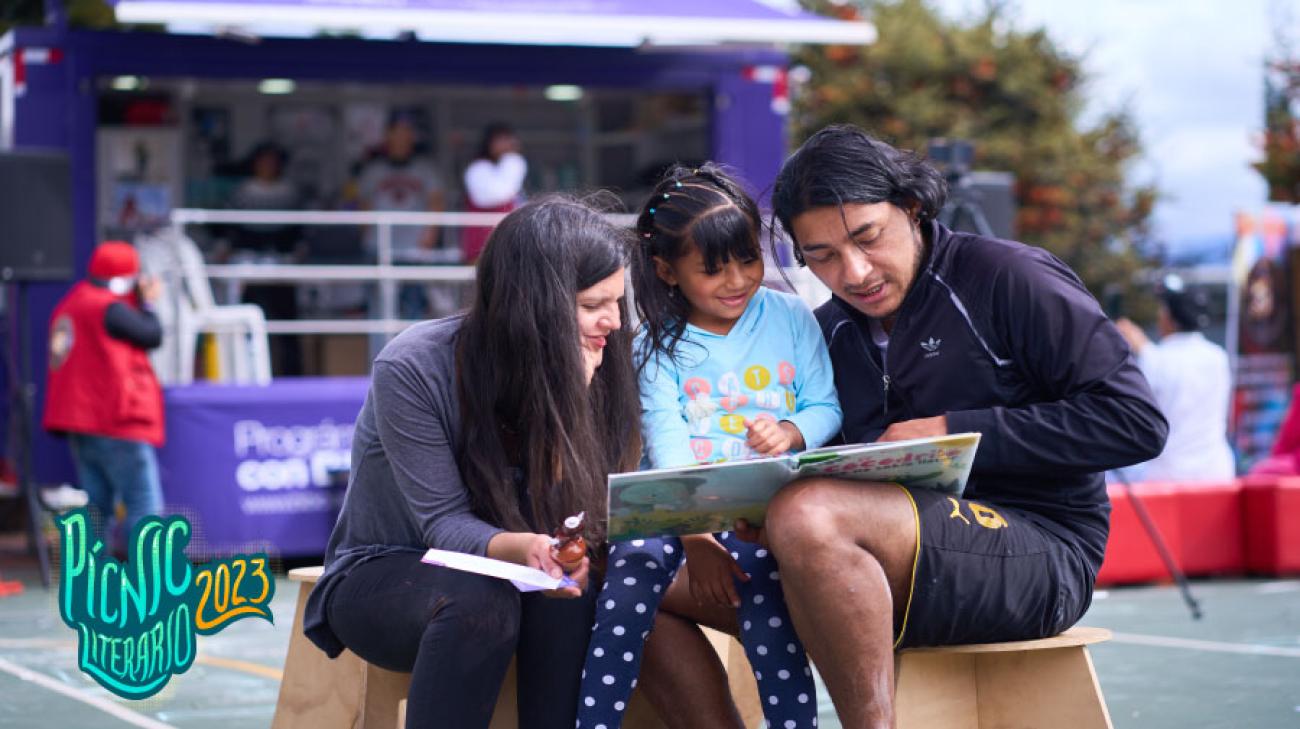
(638, 573)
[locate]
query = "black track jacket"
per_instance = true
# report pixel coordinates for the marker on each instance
(1005, 340)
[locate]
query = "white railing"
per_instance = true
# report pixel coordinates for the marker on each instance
(384, 271)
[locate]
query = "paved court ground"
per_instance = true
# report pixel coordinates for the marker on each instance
(1237, 668)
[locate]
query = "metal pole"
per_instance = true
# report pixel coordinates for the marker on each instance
(35, 508)
(1154, 532)
(387, 286)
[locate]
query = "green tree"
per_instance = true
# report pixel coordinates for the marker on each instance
(1017, 97)
(1280, 141)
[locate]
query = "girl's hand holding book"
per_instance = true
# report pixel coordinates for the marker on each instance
(713, 571)
(770, 438)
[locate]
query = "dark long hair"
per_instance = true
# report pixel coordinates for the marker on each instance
(491, 132)
(520, 376)
(704, 208)
(843, 164)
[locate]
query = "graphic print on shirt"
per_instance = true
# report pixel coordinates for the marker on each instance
(931, 347)
(703, 448)
(735, 449)
(733, 424)
(399, 187)
(785, 374)
(729, 384)
(755, 394)
(733, 401)
(697, 386)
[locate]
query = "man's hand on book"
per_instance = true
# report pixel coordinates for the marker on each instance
(713, 571)
(919, 428)
(770, 438)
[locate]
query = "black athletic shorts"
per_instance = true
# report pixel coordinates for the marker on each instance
(989, 573)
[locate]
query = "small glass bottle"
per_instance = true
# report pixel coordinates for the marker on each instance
(567, 546)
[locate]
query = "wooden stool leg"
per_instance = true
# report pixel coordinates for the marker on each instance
(506, 714)
(1040, 688)
(384, 691)
(935, 691)
(315, 692)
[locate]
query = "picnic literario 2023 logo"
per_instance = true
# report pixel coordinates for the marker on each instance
(136, 622)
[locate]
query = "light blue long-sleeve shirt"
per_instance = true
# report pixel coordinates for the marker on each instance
(772, 364)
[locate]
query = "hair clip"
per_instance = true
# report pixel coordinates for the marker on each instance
(665, 196)
(679, 183)
(652, 211)
(645, 235)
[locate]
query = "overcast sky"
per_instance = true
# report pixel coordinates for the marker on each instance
(1190, 71)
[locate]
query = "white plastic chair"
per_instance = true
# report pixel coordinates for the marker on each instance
(188, 309)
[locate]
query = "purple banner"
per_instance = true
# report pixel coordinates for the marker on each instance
(253, 465)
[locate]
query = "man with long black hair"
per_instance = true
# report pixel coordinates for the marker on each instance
(931, 332)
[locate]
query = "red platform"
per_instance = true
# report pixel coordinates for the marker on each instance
(1250, 524)
(1272, 524)
(1210, 514)
(1131, 556)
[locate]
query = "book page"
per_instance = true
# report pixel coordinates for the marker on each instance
(941, 463)
(709, 498)
(693, 500)
(526, 579)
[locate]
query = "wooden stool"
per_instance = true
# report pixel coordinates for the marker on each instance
(348, 693)
(1032, 684)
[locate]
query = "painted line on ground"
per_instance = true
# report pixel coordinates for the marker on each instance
(238, 665)
(1206, 645)
(36, 643)
(104, 705)
(235, 664)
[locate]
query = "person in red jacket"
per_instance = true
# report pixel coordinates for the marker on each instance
(101, 390)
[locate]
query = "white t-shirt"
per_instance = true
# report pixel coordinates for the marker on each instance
(493, 184)
(1192, 383)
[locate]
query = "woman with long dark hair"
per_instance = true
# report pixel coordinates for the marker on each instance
(480, 434)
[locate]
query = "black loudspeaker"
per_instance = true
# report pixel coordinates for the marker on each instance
(983, 202)
(35, 216)
(997, 196)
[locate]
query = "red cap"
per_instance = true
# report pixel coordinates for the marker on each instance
(114, 258)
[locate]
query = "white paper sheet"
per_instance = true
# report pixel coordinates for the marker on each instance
(526, 579)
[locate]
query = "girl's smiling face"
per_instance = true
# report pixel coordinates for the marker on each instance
(718, 298)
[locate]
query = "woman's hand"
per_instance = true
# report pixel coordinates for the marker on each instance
(713, 571)
(534, 550)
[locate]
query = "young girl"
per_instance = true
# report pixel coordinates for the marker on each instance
(728, 370)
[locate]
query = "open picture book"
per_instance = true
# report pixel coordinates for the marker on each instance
(709, 498)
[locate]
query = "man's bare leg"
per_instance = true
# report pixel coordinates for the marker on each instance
(681, 674)
(846, 551)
